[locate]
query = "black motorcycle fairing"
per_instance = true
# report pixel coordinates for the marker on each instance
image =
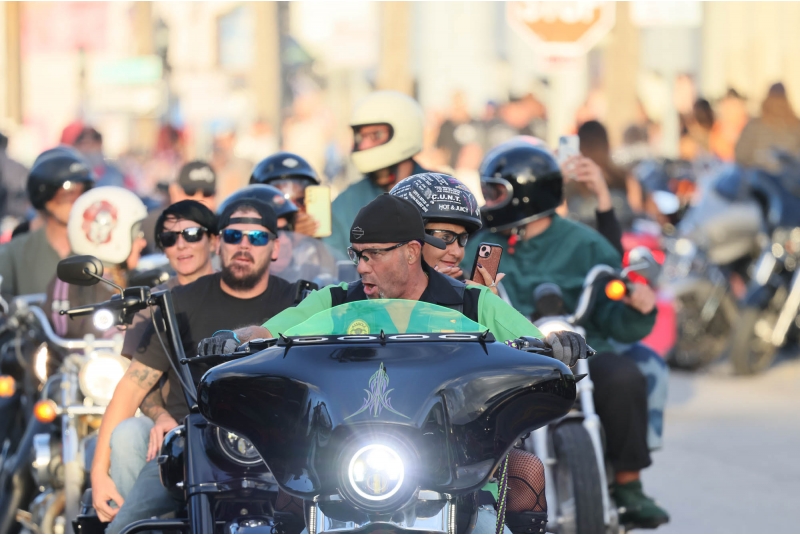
(461, 405)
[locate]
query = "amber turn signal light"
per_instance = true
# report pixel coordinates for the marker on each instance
(616, 290)
(45, 411)
(8, 386)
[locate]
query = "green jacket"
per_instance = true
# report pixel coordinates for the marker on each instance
(563, 254)
(479, 305)
(27, 264)
(345, 207)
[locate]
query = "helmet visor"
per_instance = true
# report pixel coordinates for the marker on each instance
(293, 188)
(497, 192)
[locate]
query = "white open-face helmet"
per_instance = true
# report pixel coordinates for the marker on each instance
(406, 121)
(103, 223)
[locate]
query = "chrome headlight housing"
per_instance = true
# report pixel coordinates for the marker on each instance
(555, 325)
(100, 374)
(237, 449)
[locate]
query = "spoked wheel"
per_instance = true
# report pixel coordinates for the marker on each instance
(577, 479)
(701, 340)
(751, 348)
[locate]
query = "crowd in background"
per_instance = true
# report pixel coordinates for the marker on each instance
(455, 142)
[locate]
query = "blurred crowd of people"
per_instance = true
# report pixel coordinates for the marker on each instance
(455, 141)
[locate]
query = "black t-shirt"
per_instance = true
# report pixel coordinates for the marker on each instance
(201, 309)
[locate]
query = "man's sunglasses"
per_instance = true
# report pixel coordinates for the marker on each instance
(356, 256)
(191, 192)
(449, 237)
(168, 238)
(257, 238)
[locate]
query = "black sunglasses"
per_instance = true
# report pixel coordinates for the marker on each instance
(356, 256)
(168, 238)
(191, 192)
(449, 236)
(258, 238)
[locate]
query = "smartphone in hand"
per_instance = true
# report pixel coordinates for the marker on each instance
(318, 206)
(568, 146)
(488, 255)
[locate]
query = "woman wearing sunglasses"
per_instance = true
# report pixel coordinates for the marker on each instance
(187, 234)
(451, 213)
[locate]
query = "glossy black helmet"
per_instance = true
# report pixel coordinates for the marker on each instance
(441, 197)
(271, 195)
(52, 169)
(283, 166)
(521, 182)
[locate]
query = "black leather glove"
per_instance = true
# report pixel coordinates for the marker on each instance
(567, 346)
(222, 343)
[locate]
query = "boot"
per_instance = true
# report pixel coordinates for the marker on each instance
(636, 509)
(527, 522)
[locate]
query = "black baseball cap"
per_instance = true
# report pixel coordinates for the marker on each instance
(390, 219)
(267, 215)
(197, 175)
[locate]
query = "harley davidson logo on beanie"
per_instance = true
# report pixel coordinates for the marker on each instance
(390, 219)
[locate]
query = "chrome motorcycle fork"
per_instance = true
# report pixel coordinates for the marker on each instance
(591, 422)
(788, 312)
(73, 472)
(539, 444)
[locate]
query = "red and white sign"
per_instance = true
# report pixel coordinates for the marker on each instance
(561, 29)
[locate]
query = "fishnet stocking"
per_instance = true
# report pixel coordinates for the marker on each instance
(525, 482)
(289, 504)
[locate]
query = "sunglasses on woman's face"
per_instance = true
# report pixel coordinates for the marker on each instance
(168, 238)
(448, 236)
(191, 192)
(257, 238)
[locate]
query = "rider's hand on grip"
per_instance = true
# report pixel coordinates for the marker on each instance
(568, 346)
(222, 343)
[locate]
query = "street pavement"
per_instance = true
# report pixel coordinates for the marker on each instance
(731, 456)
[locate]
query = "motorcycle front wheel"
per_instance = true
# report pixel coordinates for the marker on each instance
(701, 342)
(577, 478)
(751, 350)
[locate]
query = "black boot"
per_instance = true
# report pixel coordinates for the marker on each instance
(527, 522)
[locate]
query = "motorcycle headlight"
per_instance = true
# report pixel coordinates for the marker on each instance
(376, 472)
(40, 362)
(552, 326)
(236, 448)
(104, 319)
(100, 374)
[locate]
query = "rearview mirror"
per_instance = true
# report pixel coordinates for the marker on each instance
(80, 270)
(641, 261)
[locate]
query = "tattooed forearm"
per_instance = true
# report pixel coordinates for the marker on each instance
(153, 404)
(143, 376)
(246, 334)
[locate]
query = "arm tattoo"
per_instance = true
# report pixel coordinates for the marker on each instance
(144, 376)
(153, 404)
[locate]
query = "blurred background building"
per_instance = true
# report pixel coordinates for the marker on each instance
(164, 82)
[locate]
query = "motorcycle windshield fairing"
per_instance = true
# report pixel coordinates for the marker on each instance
(376, 399)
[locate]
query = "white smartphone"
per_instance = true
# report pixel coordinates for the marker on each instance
(568, 146)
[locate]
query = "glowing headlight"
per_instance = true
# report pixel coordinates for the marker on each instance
(553, 326)
(684, 247)
(100, 374)
(376, 472)
(40, 362)
(103, 319)
(238, 449)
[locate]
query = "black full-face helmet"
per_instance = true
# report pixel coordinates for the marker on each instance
(54, 168)
(441, 197)
(521, 182)
(273, 196)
